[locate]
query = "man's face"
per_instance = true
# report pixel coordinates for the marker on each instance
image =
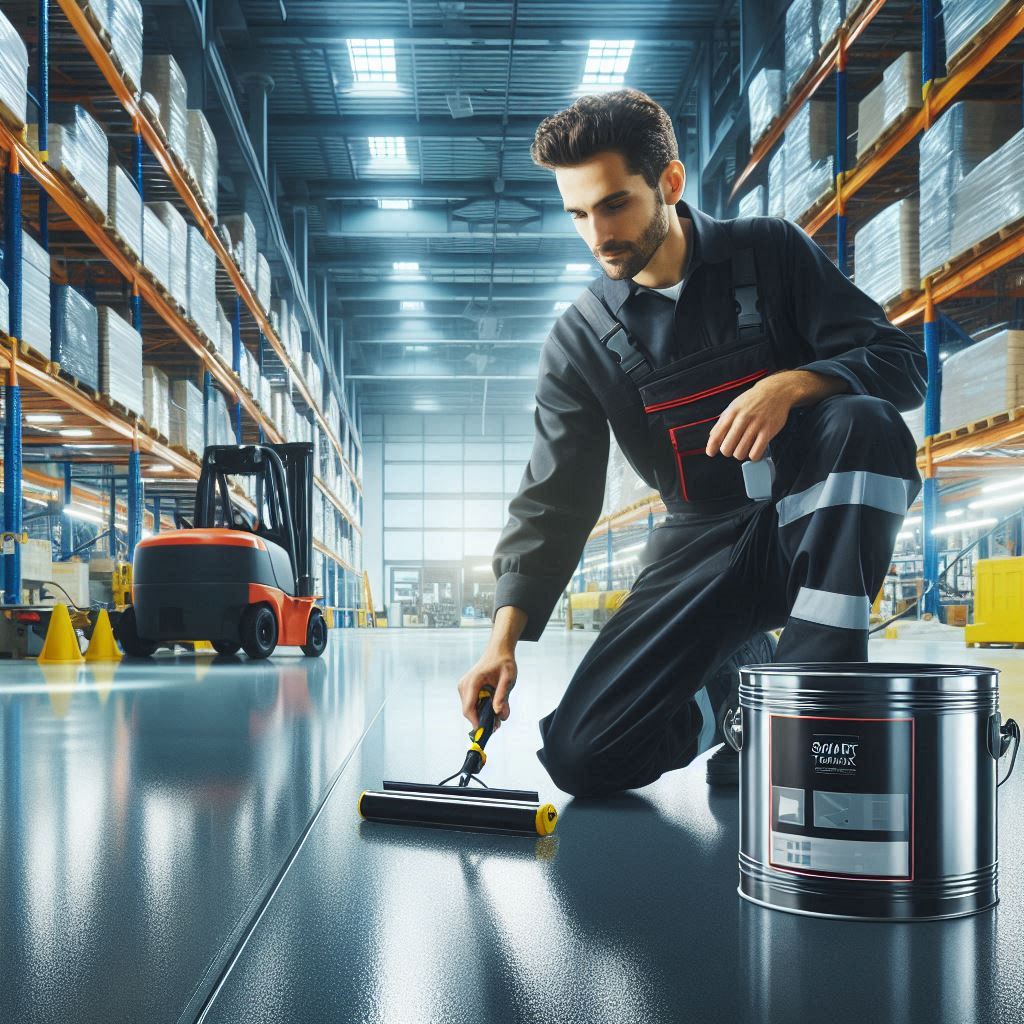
(622, 220)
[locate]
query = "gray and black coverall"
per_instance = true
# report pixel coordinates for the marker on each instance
(721, 567)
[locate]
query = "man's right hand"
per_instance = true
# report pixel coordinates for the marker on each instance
(496, 670)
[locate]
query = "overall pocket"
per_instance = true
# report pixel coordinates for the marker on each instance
(703, 478)
(687, 398)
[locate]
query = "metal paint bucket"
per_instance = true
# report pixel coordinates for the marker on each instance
(868, 790)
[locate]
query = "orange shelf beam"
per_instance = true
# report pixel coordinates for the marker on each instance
(61, 193)
(948, 450)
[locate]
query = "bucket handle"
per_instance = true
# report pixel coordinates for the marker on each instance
(733, 730)
(1000, 736)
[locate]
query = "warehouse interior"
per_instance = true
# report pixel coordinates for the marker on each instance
(315, 229)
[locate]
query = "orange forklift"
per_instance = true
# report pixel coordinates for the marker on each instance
(237, 580)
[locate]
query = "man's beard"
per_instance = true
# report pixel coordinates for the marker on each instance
(638, 254)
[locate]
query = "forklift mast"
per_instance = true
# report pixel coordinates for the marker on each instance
(284, 498)
(297, 457)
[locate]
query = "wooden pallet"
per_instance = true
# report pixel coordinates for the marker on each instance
(977, 426)
(904, 296)
(98, 27)
(979, 248)
(822, 200)
(887, 133)
(58, 371)
(155, 124)
(123, 247)
(119, 407)
(180, 449)
(980, 38)
(98, 215)
(13, 122)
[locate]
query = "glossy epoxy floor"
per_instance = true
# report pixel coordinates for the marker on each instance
(180, 843)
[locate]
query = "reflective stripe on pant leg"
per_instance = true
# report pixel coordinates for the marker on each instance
(860, 487)
(843, 611)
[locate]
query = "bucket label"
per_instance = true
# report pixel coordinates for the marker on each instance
(841, 794)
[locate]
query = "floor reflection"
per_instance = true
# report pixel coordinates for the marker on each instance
(145, 806)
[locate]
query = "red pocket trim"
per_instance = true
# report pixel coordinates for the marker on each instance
(685, 399)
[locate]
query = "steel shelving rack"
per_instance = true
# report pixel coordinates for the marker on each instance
(34, 382)
(963, 449)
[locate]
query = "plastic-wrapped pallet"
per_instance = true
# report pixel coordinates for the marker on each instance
(124, 208)
(955, 144)
(963, 19)
(808, 165)
(5, 321)
(78, 151)
(13, 74)
(886, 252)
(263, 282)
(223, 339)
(156, 247)
(177, 240)
(251, 370)
(243, 233)
(156, 397)
(777, 183)
(35, 295)
(124, 18)
(74, 334)
(121, 361)
(990, 197)
(202, 157)
(292, 417)
(265, 395)
(800, 40)
(186, 416)
(764, 97)
(201, 288)
(898, 93)
(831, 14)
(753, 204)
(277, 399)
(294, 340)
(983, 379)
(221, 429)
(162, 77)
(279, 318)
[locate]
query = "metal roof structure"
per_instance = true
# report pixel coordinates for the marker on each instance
(472, 82)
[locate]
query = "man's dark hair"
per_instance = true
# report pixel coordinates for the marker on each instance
(627, 121)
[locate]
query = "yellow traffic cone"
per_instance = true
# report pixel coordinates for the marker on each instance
(61, 644)
(102, 646)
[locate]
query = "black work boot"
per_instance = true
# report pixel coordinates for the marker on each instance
(723, 767)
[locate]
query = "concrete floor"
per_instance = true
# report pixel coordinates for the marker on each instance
(180, 842)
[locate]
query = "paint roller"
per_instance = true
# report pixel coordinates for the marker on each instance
(484, 809)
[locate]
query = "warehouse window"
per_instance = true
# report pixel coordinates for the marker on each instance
(373, 62)
(607, 61)
(388, 147)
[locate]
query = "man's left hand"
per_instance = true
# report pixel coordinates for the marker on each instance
(752, 419)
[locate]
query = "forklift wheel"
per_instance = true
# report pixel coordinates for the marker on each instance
(127, 634)
(316, 635)
(225, 647)
(259, 631)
